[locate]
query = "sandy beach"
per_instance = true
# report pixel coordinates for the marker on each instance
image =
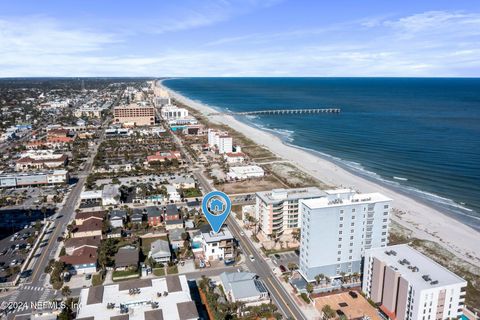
(424, 222)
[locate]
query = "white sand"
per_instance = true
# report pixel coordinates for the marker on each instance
(424, 221)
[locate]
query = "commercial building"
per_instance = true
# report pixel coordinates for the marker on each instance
(12, 180)
(345, 223)
(40, 159)
(220, 141)
(244, 287)
(161, 156)
(245, 172)
(410, 286)
(277, 211)
(146, 299)
(134, 114)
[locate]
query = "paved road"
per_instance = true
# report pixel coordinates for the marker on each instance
(280, 296)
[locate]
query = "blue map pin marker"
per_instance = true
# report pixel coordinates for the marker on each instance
(216, 207)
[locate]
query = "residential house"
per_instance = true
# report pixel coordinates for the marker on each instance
(176, 237)
(89, 228)
(155, 216)
(136, 216)
(244, 287)
(172, 217)
(126, 258)
(217, 246)
(117, 218)
(234, 157)
(160, 251)
(82, 216)
(183, 182)
(82, 260)
(73, 244)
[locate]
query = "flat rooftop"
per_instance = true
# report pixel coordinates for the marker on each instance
(419, 270)
(278, 195)
(161, 298)
(343, 197)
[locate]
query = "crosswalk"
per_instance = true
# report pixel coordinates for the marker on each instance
(13, 297)
(45, 295)
(33, 288)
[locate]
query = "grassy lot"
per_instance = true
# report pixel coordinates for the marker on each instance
(254, 185)
(125, 273)
(172, 270)
(292, 176)
(159, 272)
(97, 279)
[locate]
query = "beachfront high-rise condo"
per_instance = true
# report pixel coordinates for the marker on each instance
(220, 140)
(277, 211)
(410, 286)
(337, 229)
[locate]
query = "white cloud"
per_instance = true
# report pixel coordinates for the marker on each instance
(425, 44)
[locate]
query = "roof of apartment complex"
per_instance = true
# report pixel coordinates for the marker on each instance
(419, 270)
(278, 195)
(161, 298)
(341, 197)
(242, 284)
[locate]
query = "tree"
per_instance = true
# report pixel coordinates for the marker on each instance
(309, 288)
(66, 291)
(296, 234)
(319, 278)
(328, 312)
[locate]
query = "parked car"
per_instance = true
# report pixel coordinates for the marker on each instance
(252, 258)
(353, 294)
(282, 268)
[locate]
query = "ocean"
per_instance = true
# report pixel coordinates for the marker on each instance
(420, 136)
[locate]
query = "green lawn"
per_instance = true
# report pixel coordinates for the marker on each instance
(97, 279)
(172, 270)
(125, 273)
(159, 272)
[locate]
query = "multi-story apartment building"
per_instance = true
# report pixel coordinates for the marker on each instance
(410, 286)
(134, 114)
(337, 229)
(277, 211)
(220, 140)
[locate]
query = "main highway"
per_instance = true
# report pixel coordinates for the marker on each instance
(258, 264)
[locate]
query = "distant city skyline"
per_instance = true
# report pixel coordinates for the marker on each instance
(240, 38)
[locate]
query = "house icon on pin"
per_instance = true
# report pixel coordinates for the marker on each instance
(216, 206)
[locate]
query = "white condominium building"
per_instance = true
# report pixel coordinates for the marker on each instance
(220, 140)
(171, 112)
(409, 286)
(337, 228)
(277, 210)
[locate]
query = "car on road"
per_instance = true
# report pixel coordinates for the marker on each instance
(252, 258)
(242, 233)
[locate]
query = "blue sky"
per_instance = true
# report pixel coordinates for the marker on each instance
(240, 38)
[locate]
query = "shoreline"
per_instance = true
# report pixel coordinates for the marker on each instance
(424, 221)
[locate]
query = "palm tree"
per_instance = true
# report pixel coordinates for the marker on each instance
(328, 312)
(66, 291)
(319, 278)
(309, 288)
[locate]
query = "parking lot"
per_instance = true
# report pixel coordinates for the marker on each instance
(284, 259)
(14, 250)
